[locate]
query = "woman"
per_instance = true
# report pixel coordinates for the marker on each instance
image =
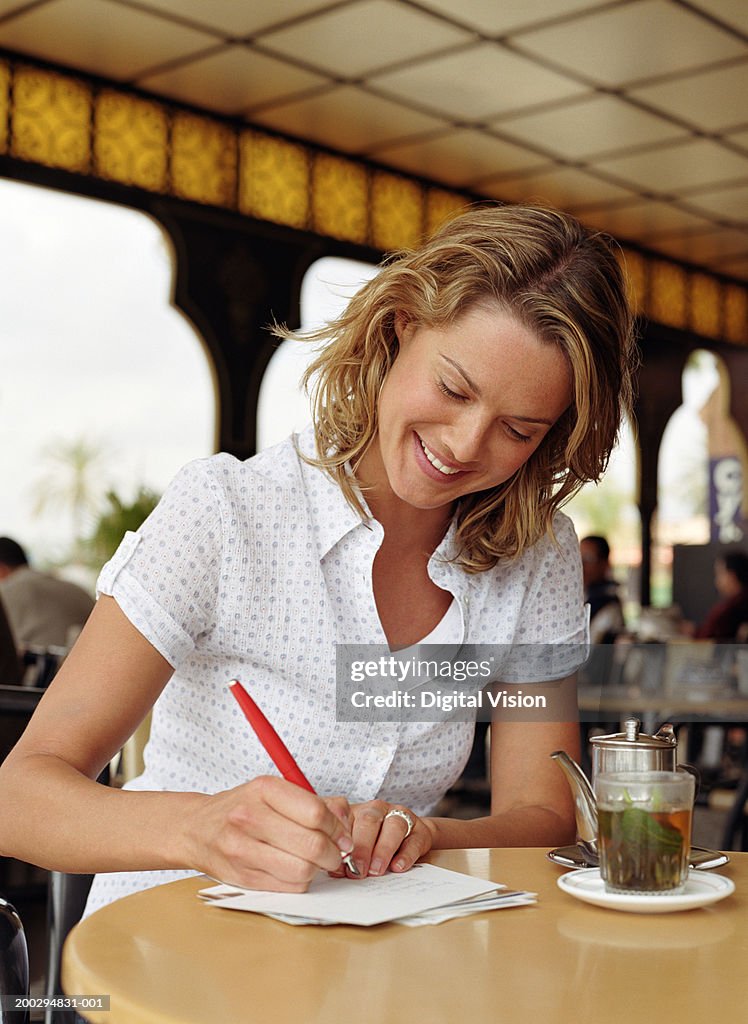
(725, 619)
(467, 391)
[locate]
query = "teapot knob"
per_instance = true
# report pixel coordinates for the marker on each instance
(632, 727)
(666, 732)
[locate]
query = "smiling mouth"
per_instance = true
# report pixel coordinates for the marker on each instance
(446, 470)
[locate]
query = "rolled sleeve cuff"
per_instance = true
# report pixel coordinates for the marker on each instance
(547, 662)
(140, 607)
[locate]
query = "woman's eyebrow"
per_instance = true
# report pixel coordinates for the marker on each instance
(474, 387)
(470, 383)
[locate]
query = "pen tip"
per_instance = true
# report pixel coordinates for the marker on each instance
(351, 865)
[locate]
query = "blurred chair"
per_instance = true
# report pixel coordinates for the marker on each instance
(14, 963)
(735, 803)
(66, 901)
(40, 665)
(691, 667)
(65, 905)
(18, 881)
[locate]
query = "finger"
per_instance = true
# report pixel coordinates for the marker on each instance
(342, 810)
(415, 846)
(257, 865)
(288, 818)
(391, 840)
(409, 851)
(279, 845)
(367, 824)
(303, 808)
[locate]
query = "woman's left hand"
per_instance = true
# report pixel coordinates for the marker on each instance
(387, 836)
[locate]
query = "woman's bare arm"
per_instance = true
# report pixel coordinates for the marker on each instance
(531, 804)
(266, 833)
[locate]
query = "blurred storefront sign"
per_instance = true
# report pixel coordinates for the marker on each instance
(726, 489)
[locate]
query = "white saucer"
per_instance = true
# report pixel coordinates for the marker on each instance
(576, 857)
(701, 889)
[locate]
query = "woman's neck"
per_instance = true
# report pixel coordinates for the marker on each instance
(404, 525)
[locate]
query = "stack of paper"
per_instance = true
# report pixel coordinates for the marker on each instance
(424, 895)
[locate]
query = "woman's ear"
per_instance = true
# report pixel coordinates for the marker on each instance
(401, 324)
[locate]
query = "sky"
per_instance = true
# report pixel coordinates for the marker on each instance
(91, 348)
(325, 292)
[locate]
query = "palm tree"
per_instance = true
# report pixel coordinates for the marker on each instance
(72, 482)
(111, 525)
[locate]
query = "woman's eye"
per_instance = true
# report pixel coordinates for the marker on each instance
(516, 434)
(443, 387)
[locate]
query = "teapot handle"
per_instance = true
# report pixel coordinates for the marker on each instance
(692, 770)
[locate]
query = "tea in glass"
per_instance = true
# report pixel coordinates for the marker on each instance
(644, 830)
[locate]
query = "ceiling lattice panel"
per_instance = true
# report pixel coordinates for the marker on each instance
(630, 113)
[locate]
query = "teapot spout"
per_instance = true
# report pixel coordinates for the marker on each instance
(585, 808)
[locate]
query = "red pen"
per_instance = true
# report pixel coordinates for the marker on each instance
(278, 751)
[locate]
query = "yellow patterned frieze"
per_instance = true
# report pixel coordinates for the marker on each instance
(442, 206)
(339, 198)
(203, 160)
(51, 119)
(668, 290)
(131, 140)
(274, 179)
(397, 213)
(4, 105)
(736, 316)
(706, 305)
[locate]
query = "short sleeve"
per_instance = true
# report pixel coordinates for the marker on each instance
(553, 637)
(165, 576)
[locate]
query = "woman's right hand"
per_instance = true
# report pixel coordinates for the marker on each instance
(267, 834)
(264, 834)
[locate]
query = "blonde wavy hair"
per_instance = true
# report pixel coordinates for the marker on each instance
(562, 282)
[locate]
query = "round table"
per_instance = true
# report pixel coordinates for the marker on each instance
(164, 956)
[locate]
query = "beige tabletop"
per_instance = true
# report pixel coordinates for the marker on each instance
(165, 956)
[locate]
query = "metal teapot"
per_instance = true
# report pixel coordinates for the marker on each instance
(628, 751)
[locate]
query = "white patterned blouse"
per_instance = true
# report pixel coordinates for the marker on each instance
(256, 570)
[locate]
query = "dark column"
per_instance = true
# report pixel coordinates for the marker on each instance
(659, 395)
(235, 277)
(736, 362)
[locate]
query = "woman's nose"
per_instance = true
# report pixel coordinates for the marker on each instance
(467, 438)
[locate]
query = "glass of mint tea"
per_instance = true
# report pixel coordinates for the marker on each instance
(644, 830)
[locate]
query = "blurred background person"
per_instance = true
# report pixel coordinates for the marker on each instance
(600, 590)
(43, 610)
(725, 618)
(716, 750)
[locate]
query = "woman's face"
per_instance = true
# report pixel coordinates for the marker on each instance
(464, 406)
(726, 582)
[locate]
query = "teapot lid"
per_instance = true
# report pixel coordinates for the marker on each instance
(664, 738)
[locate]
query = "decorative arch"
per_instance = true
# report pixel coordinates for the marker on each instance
(702, 494)
(105, 383)
(609, 508)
